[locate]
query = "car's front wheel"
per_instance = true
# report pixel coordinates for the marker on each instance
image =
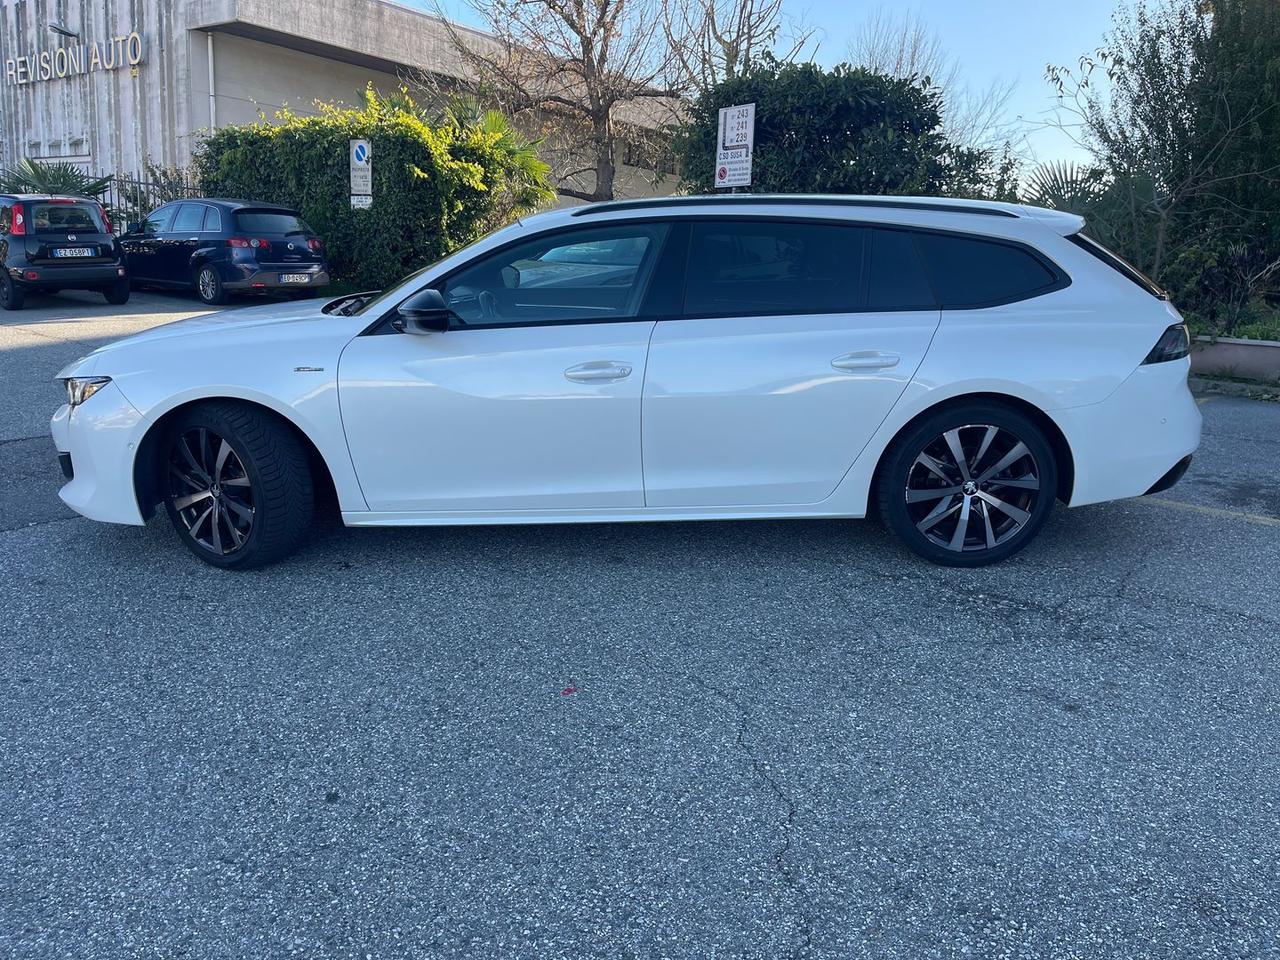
(968, 485)
(237, 485)
(209, 286)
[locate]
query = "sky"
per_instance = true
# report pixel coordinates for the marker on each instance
(994, 40)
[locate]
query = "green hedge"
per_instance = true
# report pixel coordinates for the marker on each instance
(436, 187)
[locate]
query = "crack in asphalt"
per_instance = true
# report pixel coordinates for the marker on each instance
(784, 870)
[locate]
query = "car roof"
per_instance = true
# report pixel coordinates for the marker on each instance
(981, 215)
(227, 203)
(47, 196)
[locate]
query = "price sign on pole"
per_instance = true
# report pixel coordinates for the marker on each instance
(734, 144)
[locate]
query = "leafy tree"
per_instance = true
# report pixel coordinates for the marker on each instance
(436, 186)
(844, 130)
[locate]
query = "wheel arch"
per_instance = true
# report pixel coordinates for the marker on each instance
(1053, 433)
(146, 479)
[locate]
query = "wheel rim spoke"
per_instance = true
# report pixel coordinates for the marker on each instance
(934, 467)
(1018, 514)
(181, 503)
(937, 514)
(245, 513)
(957, 451)
(1009, 459)
(984, 446)
(1021, 483)
(930, 493)
(986, 525)
(223, 452)
(198, 494)
(962, 526)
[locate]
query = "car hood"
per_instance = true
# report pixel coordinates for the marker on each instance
(239, 324)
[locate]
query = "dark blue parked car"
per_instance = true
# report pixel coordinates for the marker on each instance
(220, 247)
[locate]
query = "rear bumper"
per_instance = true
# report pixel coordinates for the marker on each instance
(268, 278)
(1140, 437)
(64, 275)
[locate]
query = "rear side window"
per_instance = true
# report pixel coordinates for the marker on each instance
(896, 278)
(190, 218)
(212, 220)
(269, 221)
(772, 266)
(970, 272)
(1118, 264)
(65, 218)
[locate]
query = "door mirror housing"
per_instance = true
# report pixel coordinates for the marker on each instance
(425, 312)
(132, 227)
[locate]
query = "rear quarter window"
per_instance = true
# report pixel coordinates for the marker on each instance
(972, 272)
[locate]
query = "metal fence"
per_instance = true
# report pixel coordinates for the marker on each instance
(131, 198)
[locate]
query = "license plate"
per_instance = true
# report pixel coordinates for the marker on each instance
(73, 251)
(294, 277)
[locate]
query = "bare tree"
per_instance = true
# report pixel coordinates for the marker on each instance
(903, 45)
(713, 40)
(587, 76)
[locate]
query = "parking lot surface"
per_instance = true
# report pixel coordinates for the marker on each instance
(740, 739)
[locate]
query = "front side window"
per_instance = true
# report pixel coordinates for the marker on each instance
(754, 267)
(598, 274)
(190, 218)
(158, 222)
(971, 272)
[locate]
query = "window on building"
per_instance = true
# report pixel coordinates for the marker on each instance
(896, 278)
(971, 272)
(598, 274)
(746, 267)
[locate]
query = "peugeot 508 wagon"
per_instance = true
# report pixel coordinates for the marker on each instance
(50, 243)
(222, 247)
(956, 366)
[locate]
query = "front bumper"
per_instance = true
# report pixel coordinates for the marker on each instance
(97, 443)
(268, 278)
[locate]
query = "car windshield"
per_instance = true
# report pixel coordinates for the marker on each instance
(65, 218)
(270, 221)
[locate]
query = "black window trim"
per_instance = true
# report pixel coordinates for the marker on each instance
(382, 325)
(1119, 264)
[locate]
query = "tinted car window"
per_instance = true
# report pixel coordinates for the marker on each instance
(596, 274)
(968, 272)
(773, 266)
(269, 221)
(189, 219)
(896, 278)
(65, 218)
(158, 222)
(212, 220)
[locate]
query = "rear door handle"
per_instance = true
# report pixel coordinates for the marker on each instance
(598, 371)
(866, 360)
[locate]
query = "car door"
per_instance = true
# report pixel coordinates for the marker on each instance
(795, 341)
(143, 248)
(180, 242)
(531, 400)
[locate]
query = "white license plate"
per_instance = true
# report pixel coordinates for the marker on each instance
(294, 277)
(73, 251)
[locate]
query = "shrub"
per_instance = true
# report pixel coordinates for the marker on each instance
(436, 187)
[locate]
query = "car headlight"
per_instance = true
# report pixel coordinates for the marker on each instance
(80, 389)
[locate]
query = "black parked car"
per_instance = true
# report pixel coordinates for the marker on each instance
(51, 243)
(220, 247)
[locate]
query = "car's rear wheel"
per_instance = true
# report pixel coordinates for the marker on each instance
(237, 485)
(209, 286)
(968, 485)
(12, 296)
(117, 293)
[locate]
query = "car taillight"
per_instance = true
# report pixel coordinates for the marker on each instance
(1174, 344)
(241, 242)
(315, 244)
(106, 219)
(17, 223)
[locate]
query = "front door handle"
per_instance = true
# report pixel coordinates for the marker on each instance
(598, 371)
(866, 360)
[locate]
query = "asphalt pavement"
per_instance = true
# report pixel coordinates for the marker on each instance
(736, 739)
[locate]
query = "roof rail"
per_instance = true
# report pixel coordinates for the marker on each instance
(893, 203)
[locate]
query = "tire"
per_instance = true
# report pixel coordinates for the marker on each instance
(117, 293)
(209, 286)
(1001, 495)
(12, 296)
(244, 506)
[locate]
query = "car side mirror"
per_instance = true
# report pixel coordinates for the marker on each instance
(134, 226)
(425, 312)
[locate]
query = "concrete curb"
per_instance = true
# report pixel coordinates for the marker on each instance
(1233, 388)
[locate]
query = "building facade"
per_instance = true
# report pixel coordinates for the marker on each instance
(110, 85)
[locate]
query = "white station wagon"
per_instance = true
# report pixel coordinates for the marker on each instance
(957, 366)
